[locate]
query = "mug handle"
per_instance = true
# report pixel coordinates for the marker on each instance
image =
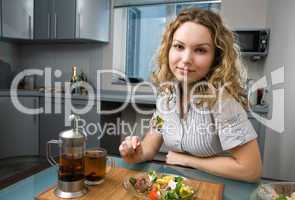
(50, 159)
(111, 164)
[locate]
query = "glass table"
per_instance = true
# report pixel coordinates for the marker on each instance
(29, 187)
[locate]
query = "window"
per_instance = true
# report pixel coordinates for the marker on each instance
(132, 45)
(138, 32)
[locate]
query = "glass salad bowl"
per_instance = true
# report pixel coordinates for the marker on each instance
(158, 186)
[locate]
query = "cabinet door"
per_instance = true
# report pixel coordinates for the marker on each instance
(90, 124)
(93, 19)
(64, 19)
(111, 140)
(19, 131)
(17, 18)
(42, 19)
(0, 18)
(51, 124)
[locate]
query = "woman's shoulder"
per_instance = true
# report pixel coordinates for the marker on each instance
(226, 104)
(166, 99)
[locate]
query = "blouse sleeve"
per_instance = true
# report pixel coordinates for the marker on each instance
(232, 124)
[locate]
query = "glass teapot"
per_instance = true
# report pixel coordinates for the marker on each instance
(71, 161)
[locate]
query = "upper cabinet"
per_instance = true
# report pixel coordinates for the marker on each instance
(93, 18)
(54, 19)
(17, 19)
(241, 14)
(72, 20)
(0, 18)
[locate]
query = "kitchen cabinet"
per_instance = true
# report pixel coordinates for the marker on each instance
(111, 140)
(19, 131)
(42, 19)
(91, 125)
(54, 19)
(17, 19)
(236, 15)
(93, 19)
(72, 20)
(51, 124)
(0, 18)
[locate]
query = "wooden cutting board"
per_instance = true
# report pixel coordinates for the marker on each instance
(112, 189)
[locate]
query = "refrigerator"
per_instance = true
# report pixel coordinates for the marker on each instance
(279, 143)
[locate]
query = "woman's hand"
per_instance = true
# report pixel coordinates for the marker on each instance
(174, 158)
(131, 149)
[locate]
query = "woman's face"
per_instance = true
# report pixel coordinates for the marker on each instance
(191, 53)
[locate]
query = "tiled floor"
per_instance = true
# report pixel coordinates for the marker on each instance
(14, 169)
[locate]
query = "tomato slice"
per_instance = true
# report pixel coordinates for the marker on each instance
(153, 194)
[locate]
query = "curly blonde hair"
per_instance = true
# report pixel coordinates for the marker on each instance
(226, 67)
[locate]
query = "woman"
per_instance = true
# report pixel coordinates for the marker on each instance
(198, 61)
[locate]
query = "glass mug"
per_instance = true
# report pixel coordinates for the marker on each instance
(97, 166)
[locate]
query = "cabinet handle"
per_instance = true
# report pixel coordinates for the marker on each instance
(48, 25)
(55, 25)
(79, 25)
(30, 26)
(35, 115)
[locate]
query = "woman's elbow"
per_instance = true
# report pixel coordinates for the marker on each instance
(254, 177)
(253, 174)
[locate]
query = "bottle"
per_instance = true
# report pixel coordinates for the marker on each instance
(74, 79)
(83, 79)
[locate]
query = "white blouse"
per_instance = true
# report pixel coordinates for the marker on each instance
(203, 132)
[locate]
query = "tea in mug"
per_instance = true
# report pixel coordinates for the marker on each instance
(95, 166)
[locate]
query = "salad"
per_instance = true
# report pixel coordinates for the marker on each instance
(277, 191)
(285, 197)
(162, 187)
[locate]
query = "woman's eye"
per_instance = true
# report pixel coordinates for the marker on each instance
(200, 50)
(178, 46)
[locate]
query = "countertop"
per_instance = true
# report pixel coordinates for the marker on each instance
(110, 96)
(28, 188)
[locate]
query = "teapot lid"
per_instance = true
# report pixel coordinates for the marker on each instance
(73, 133)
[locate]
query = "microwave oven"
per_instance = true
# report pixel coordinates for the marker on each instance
(253, 42)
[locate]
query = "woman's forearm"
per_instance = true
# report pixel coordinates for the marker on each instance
(224, 166)
(148, 148)
(148, 151)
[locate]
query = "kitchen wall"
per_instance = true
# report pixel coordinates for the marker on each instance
(244, 14)
(88, 58)
(279, 151)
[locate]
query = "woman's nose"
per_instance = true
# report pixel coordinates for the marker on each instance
(187, 56)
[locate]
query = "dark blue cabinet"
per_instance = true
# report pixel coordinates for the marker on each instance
(17, 19)
(19, 131)
(72, 20)
(0, 18)
(54, 19)
(42, 21)
(51, 124)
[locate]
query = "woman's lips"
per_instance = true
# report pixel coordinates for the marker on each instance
(183, 70)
